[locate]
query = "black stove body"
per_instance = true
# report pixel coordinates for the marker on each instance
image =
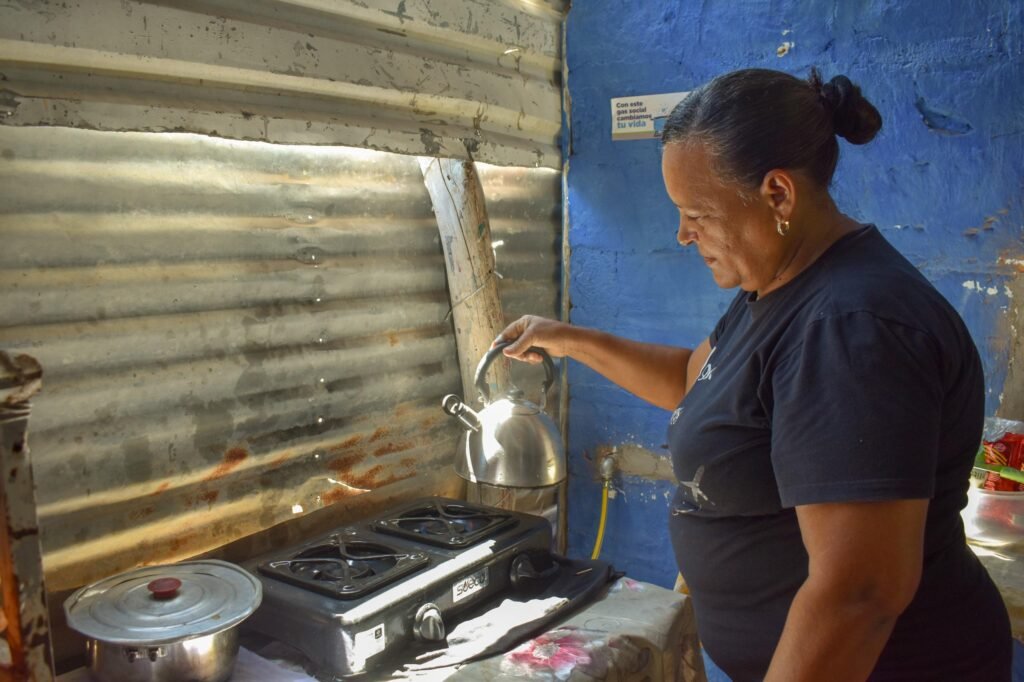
(361, 594)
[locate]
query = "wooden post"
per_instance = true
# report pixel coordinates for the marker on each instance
(458, 200)
(21, 558)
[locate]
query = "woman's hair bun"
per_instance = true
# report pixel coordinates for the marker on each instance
(853, 116)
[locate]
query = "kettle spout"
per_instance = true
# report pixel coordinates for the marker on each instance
(454, 406)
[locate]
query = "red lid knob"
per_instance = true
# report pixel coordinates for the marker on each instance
(164, 588)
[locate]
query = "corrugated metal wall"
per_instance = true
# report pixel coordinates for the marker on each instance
(236, 332)
(432, 77)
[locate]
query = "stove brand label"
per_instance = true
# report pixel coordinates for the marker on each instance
(469, 586)
(370, 642)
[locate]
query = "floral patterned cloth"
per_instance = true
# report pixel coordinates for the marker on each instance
(636, 632)
(554, 654)
(570, 652)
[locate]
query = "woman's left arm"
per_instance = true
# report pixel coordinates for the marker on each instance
(865, 562)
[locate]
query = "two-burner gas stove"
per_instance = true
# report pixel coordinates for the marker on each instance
(362, 594)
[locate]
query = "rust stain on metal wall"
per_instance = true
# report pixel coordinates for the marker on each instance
(343, 465)
(349, 442)
(141, 513)
(160, 488)
(430, 422)
(181, 542)
(392, 448)
(232, 458)
(373, 478)
(341, 493)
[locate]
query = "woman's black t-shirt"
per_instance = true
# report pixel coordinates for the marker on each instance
(856, 381)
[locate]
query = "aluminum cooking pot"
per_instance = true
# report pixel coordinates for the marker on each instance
(511, 441)
(173, 623)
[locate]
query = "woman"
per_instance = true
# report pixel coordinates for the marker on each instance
(824, 432)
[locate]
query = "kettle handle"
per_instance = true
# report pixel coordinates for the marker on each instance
(480, 380)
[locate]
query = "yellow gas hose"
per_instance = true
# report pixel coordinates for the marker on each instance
(604, 517)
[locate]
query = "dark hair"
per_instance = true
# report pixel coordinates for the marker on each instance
(755, 120)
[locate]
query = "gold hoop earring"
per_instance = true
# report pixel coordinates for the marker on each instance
(782, 227)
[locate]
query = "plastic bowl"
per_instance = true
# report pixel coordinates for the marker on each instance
(994, 518)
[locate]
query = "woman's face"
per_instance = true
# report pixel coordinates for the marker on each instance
(737, 237)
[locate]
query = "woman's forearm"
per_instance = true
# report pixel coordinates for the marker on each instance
(858, 583)
(651, 372)
(830, 634)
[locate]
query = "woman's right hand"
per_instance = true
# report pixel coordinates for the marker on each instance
(655, 373)
(530, 330)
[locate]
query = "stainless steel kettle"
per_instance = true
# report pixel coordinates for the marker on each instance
(511, 441)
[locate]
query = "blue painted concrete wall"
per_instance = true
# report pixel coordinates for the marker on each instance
(943, 181)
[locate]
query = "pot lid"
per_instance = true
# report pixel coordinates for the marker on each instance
(164, 604)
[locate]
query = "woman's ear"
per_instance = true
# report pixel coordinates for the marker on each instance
(778, 190)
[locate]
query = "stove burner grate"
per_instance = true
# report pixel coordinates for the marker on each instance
(344, 568)
(445, 524)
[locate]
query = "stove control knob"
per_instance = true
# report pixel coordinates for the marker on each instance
(533, 571)
(428, 626)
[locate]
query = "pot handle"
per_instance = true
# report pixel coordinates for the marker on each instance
(480, 380)
(164, 588)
